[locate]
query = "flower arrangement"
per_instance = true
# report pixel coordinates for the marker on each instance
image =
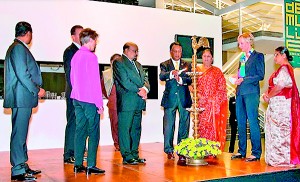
(197, 148)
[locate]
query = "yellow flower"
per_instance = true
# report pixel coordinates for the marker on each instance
(197, 148)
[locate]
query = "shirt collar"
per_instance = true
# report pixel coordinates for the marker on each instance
(84, 48)
(77, 45)
(23, 43)
(175, 61)
(251, 51)
(128, 58)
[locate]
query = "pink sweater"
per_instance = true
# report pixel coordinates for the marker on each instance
(85, 77)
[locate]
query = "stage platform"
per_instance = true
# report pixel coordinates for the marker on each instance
(157, 168)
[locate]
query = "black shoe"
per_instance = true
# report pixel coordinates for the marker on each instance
(237, 156)
(181, 161)
(140, 160)
(94, 170)
(70, 160)
(130, 162)
(32, 172)
(117, 147)
(171, 156)
(23, 177)
(79, 169)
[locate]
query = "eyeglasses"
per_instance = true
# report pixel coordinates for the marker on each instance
(135, 51)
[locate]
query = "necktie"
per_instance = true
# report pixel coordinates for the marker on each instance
(176, 65)
(132, 62)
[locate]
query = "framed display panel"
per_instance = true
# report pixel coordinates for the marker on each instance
(54, 81)
(187, 50)
(52, 74)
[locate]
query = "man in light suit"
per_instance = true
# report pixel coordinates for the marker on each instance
(71, 119)
(109, 91)
(22, 89)
(176, 97)
(251, 71)
(132, 87)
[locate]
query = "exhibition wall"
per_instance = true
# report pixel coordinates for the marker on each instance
(151, 29)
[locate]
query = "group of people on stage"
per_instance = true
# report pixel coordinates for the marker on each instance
(126, 86)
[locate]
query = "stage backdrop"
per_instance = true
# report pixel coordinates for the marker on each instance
(151, 29)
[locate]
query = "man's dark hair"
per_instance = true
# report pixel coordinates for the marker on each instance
(126, 46)
(115, 57)
(175, 43)
(22, 28)
(73, 29)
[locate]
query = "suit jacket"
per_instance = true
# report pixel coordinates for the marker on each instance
(255, 72)
(128, 81)
(22, 77)
(112, 97)
(173, 88)
(68, 55)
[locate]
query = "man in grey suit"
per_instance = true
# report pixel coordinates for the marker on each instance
(71, 120)
(22, 89)
(176, 97)
(132, 87)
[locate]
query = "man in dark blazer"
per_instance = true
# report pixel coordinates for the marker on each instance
(251, 71)
(132, 87)
(176, 97)
(70, 113)
(22, 88)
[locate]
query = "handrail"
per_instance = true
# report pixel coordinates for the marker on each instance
(245, 20)
(231, 66)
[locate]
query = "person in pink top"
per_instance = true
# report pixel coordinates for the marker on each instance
(87, 100)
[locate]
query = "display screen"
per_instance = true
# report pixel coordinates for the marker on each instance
(187, 50)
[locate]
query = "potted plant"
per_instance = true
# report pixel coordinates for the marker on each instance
(195, 150)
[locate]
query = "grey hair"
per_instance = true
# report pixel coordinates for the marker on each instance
(86, 34)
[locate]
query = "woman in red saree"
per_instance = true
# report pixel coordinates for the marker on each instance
(212, 94)
(282, 120)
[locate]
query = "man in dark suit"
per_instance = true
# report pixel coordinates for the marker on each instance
(251, 71)
(132, 87)
(22, 88)
(71, 120)
(176, 97)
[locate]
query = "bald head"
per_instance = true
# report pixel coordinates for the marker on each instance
(131, 50)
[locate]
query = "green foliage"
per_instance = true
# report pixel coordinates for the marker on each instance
(197, 148)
